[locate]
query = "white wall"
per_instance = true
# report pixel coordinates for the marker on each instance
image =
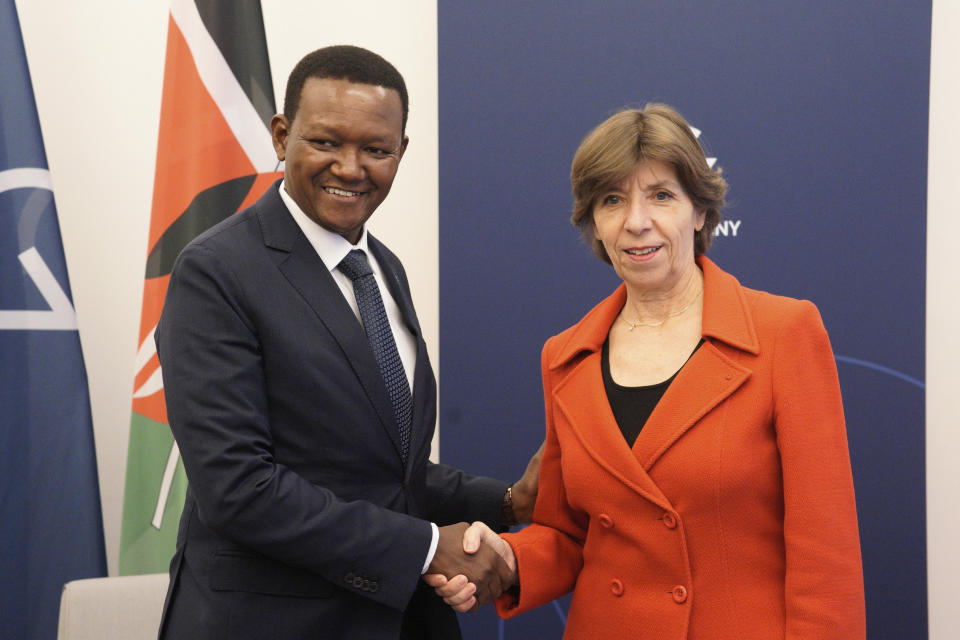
(97, 72)
(943, 339)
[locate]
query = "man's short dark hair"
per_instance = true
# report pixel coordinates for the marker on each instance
(343, 62)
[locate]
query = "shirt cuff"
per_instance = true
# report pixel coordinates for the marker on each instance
(433, 547)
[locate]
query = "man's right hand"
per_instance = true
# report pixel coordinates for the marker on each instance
(459, 591)
(482, 565)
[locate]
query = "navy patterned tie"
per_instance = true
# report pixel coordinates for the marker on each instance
(374, 316)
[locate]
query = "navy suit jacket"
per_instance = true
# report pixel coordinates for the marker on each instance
(301, 520)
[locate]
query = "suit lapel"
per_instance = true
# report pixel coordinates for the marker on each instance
(420, 426)
(307, 274)
(709, 376)
(706, 380)
(400, 293)
(703, 383)
(583, 401)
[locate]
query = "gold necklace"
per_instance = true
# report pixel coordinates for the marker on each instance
(634, 325)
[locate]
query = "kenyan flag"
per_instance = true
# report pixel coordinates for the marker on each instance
(214, 157)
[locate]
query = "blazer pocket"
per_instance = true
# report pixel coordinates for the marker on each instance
(236, 570)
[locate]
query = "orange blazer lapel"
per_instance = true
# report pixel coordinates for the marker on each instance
(582, 400)
(703, 383)
(710, 376)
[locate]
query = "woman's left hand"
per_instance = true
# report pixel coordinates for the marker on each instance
(525, 489)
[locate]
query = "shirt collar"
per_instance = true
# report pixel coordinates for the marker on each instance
(330, 246)
(726, 316)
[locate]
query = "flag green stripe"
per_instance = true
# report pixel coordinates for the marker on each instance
(144, 549)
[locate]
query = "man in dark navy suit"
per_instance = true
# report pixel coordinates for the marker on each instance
(300, 394)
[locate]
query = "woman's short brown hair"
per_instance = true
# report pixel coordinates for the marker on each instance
(612, 151)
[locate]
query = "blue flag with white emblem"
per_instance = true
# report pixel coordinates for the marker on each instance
(50, 523)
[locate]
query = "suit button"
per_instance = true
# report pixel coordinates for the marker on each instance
(616, 587)
(365, 585)
(606, 521)
(374, 586)
(669, 520)
(348, 578)
(679, 594)
(358, 582)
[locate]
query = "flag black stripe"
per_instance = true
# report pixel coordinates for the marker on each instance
(207, 209)
(236, 26)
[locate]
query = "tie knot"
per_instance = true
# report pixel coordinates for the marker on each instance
(355, 265)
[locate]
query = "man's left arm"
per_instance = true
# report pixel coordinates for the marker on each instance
(455, 496)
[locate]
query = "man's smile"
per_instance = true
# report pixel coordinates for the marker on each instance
(343, 192)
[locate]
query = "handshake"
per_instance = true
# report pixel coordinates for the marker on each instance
(472, 566)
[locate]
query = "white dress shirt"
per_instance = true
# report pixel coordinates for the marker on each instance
(332, 248)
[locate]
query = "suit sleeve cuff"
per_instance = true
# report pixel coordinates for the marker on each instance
(433, 547)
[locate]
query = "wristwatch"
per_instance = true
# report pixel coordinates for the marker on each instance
(507, 517)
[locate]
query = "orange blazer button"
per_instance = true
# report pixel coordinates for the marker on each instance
(616, 587)
(679, 594)
(669, 520)
(606, 521)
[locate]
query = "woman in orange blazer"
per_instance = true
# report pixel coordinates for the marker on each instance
(695, 481)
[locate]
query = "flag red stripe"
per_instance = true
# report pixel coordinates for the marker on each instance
(196, 148)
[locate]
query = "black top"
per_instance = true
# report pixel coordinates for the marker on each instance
(632, 405)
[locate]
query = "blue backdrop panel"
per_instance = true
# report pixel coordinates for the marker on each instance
(817, 113)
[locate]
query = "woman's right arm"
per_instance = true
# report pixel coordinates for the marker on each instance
(824, 576)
